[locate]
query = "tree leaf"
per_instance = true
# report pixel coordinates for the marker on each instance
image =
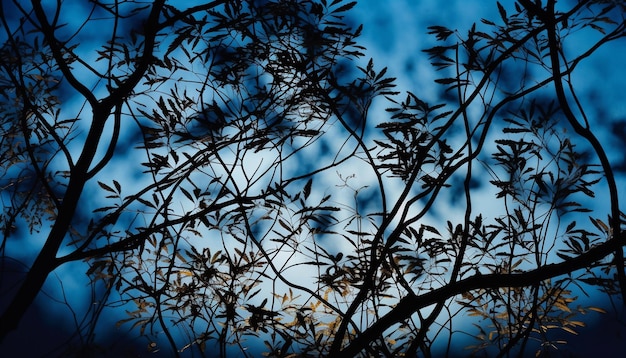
(307, 188)
(106, 187)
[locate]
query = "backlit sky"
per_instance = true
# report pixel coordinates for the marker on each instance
(394, 34)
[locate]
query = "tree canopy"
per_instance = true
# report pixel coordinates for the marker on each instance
(238, 177)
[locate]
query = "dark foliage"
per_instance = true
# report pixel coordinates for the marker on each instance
(217, 169)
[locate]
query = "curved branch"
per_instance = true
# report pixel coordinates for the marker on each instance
(111, 149)
(48, 32)
(591, 138)
(151, 29)
(411, 304)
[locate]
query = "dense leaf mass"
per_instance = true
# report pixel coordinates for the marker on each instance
(236, 178)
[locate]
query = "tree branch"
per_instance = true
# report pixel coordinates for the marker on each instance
(586, 133)
(411, 304)
(48, 32)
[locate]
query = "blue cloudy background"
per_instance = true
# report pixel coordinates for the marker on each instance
(394, 35)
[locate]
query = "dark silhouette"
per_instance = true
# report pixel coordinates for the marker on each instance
(222, 172)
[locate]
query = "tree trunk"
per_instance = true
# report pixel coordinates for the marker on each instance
(27, 293)
(47, 261)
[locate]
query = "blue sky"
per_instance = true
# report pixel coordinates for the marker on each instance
(394, 34)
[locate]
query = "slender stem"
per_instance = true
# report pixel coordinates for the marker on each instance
(586, 133)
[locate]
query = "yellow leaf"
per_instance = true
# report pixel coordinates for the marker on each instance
(516, 264)
(180, 257)
(597, 309)
(567, 329)
(502, 315)
(562, 306)
(314, 305)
